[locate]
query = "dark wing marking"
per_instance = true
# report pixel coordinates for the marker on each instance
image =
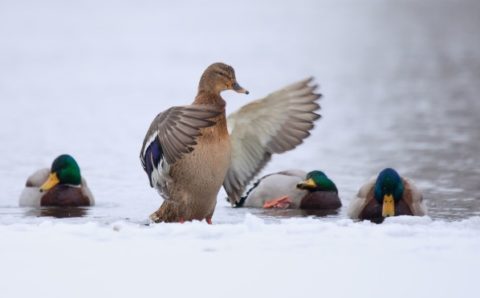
(152, 158)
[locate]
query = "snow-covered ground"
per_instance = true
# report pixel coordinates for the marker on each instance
(400, 84)
(406, 257)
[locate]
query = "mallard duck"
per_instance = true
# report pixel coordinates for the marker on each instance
(62, 185)
(190, 151)
(386, 195)
(293, 189)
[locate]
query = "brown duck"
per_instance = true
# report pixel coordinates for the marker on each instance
(190, 151)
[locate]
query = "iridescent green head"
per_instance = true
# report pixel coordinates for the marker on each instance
(64, 170)
(317, 181)
(388, 190)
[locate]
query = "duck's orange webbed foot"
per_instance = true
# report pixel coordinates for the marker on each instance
(209, 220)
(281, 203)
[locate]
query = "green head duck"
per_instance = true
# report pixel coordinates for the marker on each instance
(317, 181)
(388, 190)
(64, 170)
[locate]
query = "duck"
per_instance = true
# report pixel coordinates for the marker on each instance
(293, 189)
(189, 152)
(61, 185)
(385, 195)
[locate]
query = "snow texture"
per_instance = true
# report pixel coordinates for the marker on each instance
(405, 257)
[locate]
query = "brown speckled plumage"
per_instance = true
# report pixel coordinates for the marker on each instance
(190, 183)
(198, 176)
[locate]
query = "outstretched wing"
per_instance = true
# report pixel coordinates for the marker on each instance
(172, 134)
(274, 124)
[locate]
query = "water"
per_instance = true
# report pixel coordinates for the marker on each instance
(400, 81)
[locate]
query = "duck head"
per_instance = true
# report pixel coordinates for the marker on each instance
(64, 170)
(388, 190)
(219, 77)
(317, 181)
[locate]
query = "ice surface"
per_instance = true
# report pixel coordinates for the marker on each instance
(400, 84)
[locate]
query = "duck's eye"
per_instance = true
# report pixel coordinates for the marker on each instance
(222, 74)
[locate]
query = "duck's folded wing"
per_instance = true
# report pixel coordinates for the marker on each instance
(363, 197)
(173, 133)
(414, 198)
(274, 124)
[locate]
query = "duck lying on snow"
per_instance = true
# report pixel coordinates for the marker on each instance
(389, 194)
(287, 190)
(62, 185)
(190, 151)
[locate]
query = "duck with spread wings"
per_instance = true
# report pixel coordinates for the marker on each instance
(190, 151)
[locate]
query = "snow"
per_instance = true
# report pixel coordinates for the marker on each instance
(414, 257)
(400, 87)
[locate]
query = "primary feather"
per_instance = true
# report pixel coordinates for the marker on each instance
(274, 124)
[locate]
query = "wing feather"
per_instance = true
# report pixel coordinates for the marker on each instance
(274, 124)
(176, 131)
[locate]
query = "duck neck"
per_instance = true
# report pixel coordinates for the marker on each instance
(208, 91)
(205, 96)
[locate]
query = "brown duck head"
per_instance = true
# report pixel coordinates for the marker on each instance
(219, 77)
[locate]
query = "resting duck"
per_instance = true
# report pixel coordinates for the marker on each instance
(190, 151)
(389, 194)
(294, 189)
(61, 186)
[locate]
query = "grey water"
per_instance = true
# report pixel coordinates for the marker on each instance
(432, 93)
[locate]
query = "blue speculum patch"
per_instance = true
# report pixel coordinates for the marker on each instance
(153, 156)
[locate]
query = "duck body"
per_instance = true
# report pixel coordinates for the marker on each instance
(370, 202)
(190, 151)
(198, 177)
(281, 190)
(57, 195)
(273, 186)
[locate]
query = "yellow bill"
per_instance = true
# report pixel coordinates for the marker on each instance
(307, 184)
(51, 182)
(388, 208)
